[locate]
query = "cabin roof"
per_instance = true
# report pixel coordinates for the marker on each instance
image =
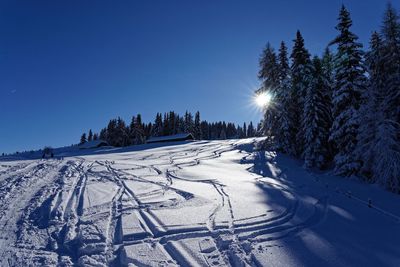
(93, 144)
(175, 137)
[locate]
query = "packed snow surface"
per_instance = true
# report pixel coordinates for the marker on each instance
(203, 203)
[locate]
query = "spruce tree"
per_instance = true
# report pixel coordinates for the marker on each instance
(386, 167)
(83, 139)
(391, 57)
(172, 123)
(112, 132)
(189, 125)
(329, 79)
(139, 130)
(316, 119)
(282, 101)
(369, 109)
(165, 129)
(157, 127)
(300, 77)
(222, 135)
(182, 126)
(205, 130)
(250, 130)
(103, 134)
(350, 83)
(197, 128)
(148, 129)
(121, 134)
(239, 131)
(132, 126)
(269, 76)
(90, 135)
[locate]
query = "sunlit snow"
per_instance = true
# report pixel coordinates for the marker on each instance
(202, 203)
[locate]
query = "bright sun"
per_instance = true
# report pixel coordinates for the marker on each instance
(263, 99)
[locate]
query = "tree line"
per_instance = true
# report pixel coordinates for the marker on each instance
(340, 110)
(118, 133)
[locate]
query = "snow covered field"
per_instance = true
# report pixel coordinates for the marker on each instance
(205, 203)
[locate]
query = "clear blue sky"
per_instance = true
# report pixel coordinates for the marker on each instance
(67, 66)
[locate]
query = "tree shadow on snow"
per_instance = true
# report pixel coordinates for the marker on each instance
(341, 235)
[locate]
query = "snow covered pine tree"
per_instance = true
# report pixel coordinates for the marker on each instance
(316, 119)
(350, 84)
(301, 75)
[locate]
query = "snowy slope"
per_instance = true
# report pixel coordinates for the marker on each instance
(198, 203)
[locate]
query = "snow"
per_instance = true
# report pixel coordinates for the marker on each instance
(200, 203)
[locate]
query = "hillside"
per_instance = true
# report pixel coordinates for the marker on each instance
(203, 203)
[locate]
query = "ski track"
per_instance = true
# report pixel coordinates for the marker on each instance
(47, 202)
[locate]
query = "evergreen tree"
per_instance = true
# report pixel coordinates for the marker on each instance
(111, 132)
(369, 109)
(205, 130)
(349, 85)
(316, 119)
(172, 123)
(95, 136)
(250, 130)
(385, 83)
(189, 125)
(328, 73)
(269, 75)
(391, 58)
(121, 134)
(222, 135)
(239, 132)
(282, 101)
(329, 82)
(158, 127)
(103, 134)
(182, 126)
(139, 134)
(197, 128)
(83, 139)
(136, 131)
(230, 130)
(259, 129)
(90, 135)
(300, 77)
(387, 167)
(132, 132)
(148, 129)
(165, 128)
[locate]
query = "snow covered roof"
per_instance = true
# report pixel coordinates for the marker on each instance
(93, 144)
(171, 138)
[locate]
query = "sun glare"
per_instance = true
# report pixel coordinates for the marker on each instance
(263, 99)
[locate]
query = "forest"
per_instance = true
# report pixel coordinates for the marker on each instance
(340, 110)
(118, 133)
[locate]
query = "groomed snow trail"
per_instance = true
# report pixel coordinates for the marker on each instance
(205, 203)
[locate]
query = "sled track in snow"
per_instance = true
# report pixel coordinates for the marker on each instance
(21, 194)
(72, 229)
(255, 231)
